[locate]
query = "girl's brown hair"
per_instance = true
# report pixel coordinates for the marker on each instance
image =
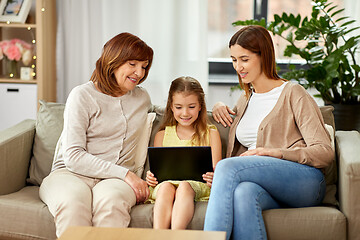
(117, 51)
(188, 86)
(257, 40)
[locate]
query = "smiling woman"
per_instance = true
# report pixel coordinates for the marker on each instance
(94, 164)
(130, 74)
(277, 142)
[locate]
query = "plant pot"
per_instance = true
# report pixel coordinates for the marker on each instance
(347, 117)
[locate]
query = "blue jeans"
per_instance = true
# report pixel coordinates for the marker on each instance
(245, 186)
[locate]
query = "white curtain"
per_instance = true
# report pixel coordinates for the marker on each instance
(175, 29)
(352, 9)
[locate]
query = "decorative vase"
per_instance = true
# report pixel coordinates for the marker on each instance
(11, 69)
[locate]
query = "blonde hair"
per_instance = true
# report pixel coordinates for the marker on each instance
(188, 86)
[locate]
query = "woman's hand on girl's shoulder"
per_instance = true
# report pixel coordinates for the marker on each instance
(221, 114)
(151, 179)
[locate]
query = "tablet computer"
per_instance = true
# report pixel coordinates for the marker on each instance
(180, 163)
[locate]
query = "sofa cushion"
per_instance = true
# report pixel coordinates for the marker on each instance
(327, 113)
(25, 216)
(49, 124)
(142, 145)
(330, 172)
(142, 216)
(320, 223)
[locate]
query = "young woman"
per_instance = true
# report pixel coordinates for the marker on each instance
(185, 124)
(92, 183)
(277, 144)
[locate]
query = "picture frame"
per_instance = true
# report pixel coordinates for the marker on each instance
(14, 10)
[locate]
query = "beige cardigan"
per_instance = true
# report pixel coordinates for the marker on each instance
(295, 125)
(101, 132)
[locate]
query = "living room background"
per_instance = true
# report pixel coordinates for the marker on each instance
(179, 31)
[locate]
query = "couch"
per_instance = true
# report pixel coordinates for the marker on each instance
(26, 152)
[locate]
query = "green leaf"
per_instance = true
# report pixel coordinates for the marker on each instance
(277, 19)
(330, 9)
(285, 17)
(352, 29)
(347, 23)
(356, 67)
(250, 22)
(297, 21)
(337, 12)
(290, 50)
(340, 19)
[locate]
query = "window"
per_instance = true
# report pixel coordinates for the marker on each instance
(222, 13)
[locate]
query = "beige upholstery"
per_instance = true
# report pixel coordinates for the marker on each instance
(24, 216)
(348, 152)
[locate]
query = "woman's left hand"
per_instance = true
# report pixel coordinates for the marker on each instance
(139, 186)
(208, 177)
(271, 152)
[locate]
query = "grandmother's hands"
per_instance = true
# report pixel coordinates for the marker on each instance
(138, 185)
(221, 114)
(260, 151)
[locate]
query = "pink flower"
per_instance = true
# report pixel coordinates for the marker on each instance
(16, 49)
(13, 53)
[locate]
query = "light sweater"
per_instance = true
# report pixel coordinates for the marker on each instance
(260, 105)
(100, 132)
(295, 126)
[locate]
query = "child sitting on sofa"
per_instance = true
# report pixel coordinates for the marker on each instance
(185, 124)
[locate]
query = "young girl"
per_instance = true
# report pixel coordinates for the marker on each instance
(185, 124)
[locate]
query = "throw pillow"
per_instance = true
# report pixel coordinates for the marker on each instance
(327, 113)
(142, 145)
(330, 173)
(49, 125)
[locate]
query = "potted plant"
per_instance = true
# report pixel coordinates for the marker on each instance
(323, 41)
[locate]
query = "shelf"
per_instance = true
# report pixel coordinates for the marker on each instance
(16, 80)
(17, 25)
(40, 26)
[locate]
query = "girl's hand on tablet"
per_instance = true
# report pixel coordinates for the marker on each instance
(151, 179)
(208, 177)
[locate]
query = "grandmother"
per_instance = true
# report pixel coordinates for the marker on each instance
(92, 182)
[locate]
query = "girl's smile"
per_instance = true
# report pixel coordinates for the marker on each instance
(185, 108)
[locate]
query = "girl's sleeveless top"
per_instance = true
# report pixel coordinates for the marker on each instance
(171, 139)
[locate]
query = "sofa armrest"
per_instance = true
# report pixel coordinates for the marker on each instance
(15, 152)
(348, 155)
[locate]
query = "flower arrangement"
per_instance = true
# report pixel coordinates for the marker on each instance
(16, 49)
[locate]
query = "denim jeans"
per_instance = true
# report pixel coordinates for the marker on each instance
(244, 186)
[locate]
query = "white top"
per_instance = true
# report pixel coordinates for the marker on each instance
(260, 105)
(100, 132)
